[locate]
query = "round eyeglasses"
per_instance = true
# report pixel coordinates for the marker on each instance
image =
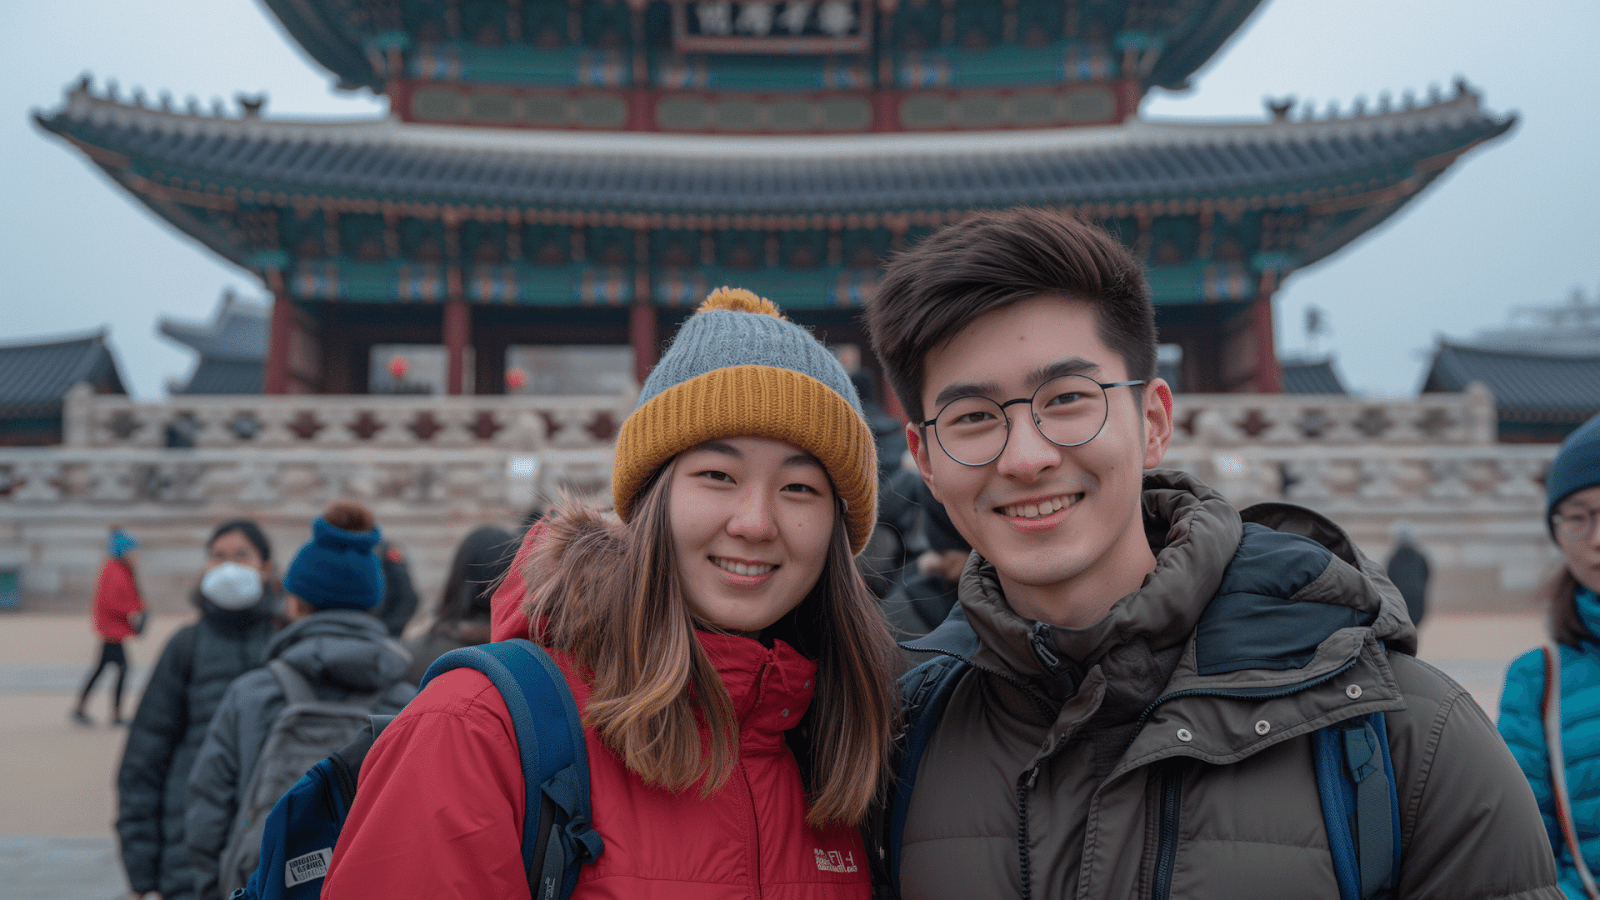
(1068, 410)
(1576, 524)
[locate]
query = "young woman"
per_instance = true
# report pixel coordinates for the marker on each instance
(1572, 513)
(238, 601)
(733, 672)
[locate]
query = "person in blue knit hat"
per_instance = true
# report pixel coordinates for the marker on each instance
(119, 614)
(1572, 515)
(336, 647)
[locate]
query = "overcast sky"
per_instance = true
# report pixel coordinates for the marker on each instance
(1514, 223)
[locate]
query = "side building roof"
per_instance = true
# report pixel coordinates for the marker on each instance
(1310, 377)
(1531, 390)
(236, 333)
(35, 377)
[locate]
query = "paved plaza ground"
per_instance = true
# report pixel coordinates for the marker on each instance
(58, 777)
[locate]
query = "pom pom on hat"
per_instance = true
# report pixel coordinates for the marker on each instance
(739, 300)
(738, 368)
(337, 569)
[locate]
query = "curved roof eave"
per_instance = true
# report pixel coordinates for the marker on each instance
(1176, 64)
(326, 43)
(383, 160)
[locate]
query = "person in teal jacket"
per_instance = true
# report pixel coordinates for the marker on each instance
(1572, 488)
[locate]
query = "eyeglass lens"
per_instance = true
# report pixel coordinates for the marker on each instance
(1068, 410)
(1577, 523)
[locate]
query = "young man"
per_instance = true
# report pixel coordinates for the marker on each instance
(1146, 663)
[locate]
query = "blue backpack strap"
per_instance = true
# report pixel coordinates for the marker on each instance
(924, 690)
(555, 763)
(1360, 805)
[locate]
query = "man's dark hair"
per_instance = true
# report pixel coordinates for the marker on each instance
(936, 288)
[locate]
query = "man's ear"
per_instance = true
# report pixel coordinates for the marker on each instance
(919, 451)
(1157, 422)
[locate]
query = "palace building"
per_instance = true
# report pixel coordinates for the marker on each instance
(559, 183)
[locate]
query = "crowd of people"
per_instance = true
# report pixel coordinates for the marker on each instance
(1119, 684)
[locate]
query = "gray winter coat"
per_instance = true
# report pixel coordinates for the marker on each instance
(342, 654)
(195, 668)
(1164, 751)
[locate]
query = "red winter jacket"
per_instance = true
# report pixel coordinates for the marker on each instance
(116, 597)
(439, 807)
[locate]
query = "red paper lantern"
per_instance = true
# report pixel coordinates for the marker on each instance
(516, 379)
(398, 367)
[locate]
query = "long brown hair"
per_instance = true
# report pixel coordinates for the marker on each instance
(609, 595)
(1566, 625)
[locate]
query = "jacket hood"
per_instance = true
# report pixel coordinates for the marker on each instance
(1257, 589)
(348, 649)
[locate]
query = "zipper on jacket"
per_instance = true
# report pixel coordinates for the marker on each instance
(1167, 848)
(755, 833)
(1024, 785)
(1041, 647)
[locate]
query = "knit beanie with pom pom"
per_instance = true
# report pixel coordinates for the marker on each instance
(738, 368)
(337, 568)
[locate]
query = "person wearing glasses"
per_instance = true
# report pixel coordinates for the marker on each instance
(1144, 663)
(1572, 514)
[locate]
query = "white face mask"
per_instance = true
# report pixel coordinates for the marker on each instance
(232, 586)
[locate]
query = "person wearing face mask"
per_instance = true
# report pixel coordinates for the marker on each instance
(334, 649)
(239, 601)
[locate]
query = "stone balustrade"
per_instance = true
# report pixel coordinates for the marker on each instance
(432, 467)
(1284, 420)
(389, 422)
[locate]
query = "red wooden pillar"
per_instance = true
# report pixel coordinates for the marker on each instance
(1269, 375)
(642, 317)
(457, 325)
(279, 340)
(642, 338)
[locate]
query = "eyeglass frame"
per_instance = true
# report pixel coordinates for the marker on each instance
(1104, 386)
(1558, 519)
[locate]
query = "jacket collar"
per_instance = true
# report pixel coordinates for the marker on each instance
(771, 687)
(1194, 532)
(1261, 590)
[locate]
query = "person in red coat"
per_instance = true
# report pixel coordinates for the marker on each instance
(119, 614)
(734, 674)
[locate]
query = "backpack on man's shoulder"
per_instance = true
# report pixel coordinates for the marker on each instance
(304, 731)
(1355, 779)
(302, 829)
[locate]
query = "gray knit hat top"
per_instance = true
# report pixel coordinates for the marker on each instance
(719, 338)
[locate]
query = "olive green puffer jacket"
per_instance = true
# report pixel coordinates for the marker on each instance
(1164, 751)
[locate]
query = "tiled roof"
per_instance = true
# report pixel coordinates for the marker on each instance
(347, 38)
(161, 154)
(217, 376)
(35, 377)
(238, 332)
(1526, 386)
(1311, 378)
(1193, 48)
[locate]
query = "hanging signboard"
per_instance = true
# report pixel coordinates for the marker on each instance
(772, 26)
